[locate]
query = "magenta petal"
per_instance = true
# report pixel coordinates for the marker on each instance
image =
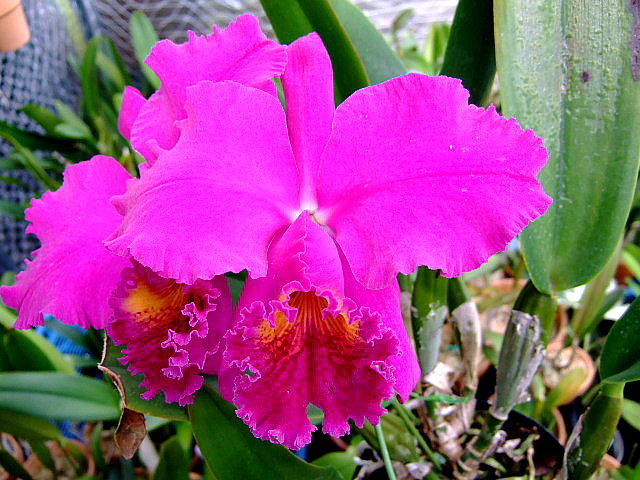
(172, 331)
(212, 203)
(299, 343)
(308, 89)
(387, 302)
(413, 175)
(132, 102)
(72, 275)
(241, 53)
(155, 126)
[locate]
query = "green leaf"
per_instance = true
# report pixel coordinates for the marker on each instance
(380, 61)
(89, 79)
(173, 464)
(620, 360)
(566, 72)
(428, 314)
(144, 37)
(343, 462)
(631, 413)
(292, 19)
(470, 54)
(593, 434)
(58, 396)
(30, 140)
(221, 435)
(43, 453)
(129, 387)
(27, 350)
(75, 126)
(28, 427)
(7, 207)
(45, 117)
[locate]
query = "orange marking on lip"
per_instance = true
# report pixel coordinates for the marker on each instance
(309, 325)
(157, 307)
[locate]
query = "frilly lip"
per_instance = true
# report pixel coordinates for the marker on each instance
(272, 389)
(168, 329)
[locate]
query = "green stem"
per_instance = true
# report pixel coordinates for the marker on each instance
(384, 451)
(414, 431)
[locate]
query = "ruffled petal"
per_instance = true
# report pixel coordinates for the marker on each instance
(413, 175)
(213, 202)
(132, 102)
(308, 89)
(73, 274)
(306, 344)
(241, 53)
(172, 331)
(387, 302)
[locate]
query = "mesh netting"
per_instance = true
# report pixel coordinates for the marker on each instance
(37, 73)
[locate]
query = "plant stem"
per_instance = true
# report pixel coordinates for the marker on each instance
(384, 451)
(414, 431)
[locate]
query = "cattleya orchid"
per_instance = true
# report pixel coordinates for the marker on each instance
(322, 206)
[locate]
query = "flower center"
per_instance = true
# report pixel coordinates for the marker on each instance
(311, 324)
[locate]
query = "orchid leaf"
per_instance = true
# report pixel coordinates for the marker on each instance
(143, 37)
(173, 464)
(26, 350)
(129, 387)
(293, 18)
(89, 78)
(568, 71)
(380, 61)
(631, 413)
(359, 54)
(27, 426)
(620, 361)
(45, 117)
(470, 54)
(261, 460)
(58, 396)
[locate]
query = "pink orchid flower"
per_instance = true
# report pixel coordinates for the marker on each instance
(172, 330)
(324, 207)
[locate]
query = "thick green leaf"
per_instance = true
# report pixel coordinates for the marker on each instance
(58, 396)
(631, 413)
(292, 19)
(379, 59)
(173, 464)
(470, 54)
(144, 37)
(28, 427)
(129, 387)
(593, 434)
(620, 360)
(221, 435)
(565, 71)
(27, 350)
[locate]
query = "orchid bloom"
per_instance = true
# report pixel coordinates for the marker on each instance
(172, 330)
(324, 207)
